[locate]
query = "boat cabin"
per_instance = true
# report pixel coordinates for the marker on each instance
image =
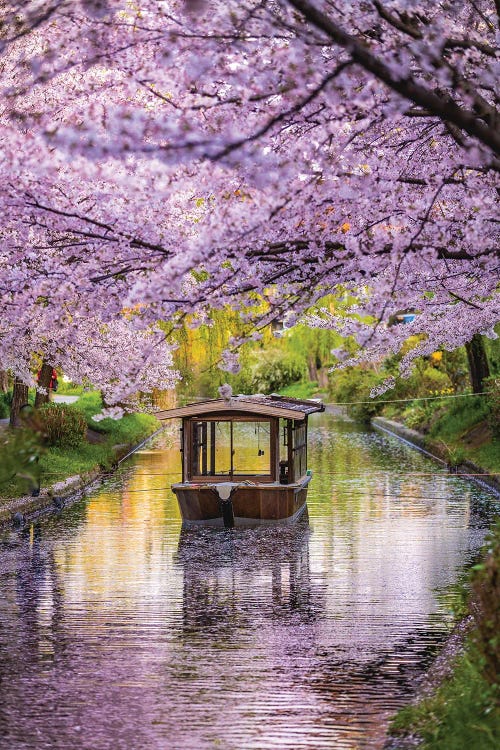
(241, 445)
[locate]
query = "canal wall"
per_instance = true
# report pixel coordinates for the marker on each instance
(466, 469)
(27, 508)
(20, 510)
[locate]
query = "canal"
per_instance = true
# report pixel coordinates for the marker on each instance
(120, 631)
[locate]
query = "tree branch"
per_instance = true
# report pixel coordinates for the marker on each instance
(408, 87)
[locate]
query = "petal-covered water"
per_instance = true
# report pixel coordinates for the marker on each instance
(120, 631)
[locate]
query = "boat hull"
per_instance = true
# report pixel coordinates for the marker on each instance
(251, 505)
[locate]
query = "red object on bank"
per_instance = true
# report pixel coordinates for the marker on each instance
(53, 380)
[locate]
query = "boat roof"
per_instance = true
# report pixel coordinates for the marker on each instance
(258, 404)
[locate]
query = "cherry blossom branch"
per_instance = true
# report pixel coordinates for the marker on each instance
(443, 107)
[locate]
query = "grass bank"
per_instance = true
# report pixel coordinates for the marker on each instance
(463, 430)
(303, 389)
(103, 445)
(463, 711)
(455, 429)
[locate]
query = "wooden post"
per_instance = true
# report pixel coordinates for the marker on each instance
(291, 462)
(231, 451)
(212, 446)
(203, 448)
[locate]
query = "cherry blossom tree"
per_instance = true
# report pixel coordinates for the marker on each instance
(123, 362)
(174, 157)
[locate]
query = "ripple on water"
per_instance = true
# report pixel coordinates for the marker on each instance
(120, 630)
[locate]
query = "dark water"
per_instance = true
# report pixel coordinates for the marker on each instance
(120, 631)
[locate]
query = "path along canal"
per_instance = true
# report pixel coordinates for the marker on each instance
(119, 631)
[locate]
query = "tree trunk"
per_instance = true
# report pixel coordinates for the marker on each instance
(312, 368)
(19, 399)
(323, 378)
(478, 362)
(44, 382)
(4, 381)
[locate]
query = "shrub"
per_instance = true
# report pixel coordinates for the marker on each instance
(355, 384)
(5, 402)
(424, 381)
(492, 385)
(486, 608)
(278, 370)
(434, 381)
(415, 417)
(63, 425)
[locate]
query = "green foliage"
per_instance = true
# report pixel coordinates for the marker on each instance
(415, 417)
(488, 456)
(486, 609)
(454, 455)
(492, 386)
(303, 390)
(492, 347)
(20, 449)
(130, 429)
(90, 403)
(426, 380)
(19, 469)
(462, 715)
(460, 427)
(201, 346)
(69, 389)
(354, 385)
(5, 402)
(461, 414)
(59, 463)
(433, 381)
(127, 432)
(277, 370)
(314, 344)
(62, 424)
(456, 366)
(464, 712)
(429, 378)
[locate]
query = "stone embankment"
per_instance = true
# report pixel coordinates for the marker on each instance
(25, 509)
(19, 510)
(466, 469)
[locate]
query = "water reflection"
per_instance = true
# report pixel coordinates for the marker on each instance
(118, 629)
(221, 569)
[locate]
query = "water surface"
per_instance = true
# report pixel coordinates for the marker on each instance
(119, 630)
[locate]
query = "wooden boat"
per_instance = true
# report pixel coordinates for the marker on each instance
(244, 459)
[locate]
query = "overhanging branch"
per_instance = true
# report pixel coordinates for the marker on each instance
(444, 108)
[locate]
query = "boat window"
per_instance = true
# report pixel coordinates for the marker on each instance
(300, 450)
(251, 447)
(220, 448)
(231, 448)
